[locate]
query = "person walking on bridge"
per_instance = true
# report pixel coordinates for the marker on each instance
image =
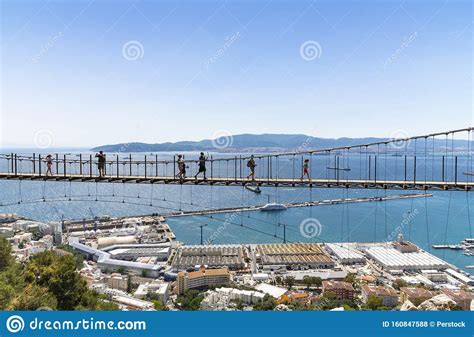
(49, 165)
(251, 165)
(181, 167)
(306, 170)
(101, 163)
(202, 166)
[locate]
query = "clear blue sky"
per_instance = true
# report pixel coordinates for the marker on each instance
(205, 66)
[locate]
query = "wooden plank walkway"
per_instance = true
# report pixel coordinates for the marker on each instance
(232, 181)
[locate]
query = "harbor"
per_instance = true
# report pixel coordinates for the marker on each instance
(467, 245)
(301, 204)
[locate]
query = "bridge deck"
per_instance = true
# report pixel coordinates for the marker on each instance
(237, 181)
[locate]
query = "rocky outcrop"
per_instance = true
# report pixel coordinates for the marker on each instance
(282, 307)
(438, 303)
(408, 306)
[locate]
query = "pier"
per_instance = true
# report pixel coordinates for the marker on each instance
(302, 204)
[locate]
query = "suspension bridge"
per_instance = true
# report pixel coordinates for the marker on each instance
(438, 161)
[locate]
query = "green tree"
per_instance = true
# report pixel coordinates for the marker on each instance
(58, 274)
(290, 281)
(374, 302)
(129, 284)
(308, 281)
(312, 280)
(318, 282)
(7, 293)
(158, 305)
(34, 297)
(190, 300)
(6, 258)
(90, 300)
(350, 277)
(266, 304)
(47, 280)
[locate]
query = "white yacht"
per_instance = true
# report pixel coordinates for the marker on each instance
(273, 206)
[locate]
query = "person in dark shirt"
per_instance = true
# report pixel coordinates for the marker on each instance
(201, 166)
(101, 163)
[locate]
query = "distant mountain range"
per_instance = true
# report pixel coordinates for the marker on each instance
(262, 143)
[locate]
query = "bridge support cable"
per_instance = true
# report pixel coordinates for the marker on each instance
(151, 193)
(409, 220)
(427, 225)
(342, 217)
(468, 206)
(375, 218)
(445, 242)
(469, 156)
(123, 192)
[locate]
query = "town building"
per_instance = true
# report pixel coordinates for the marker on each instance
(342, 290)
(117, 281)
(388, 295)
(220, 298)
(404, 246)
(345, 253)
(390, 258)
(107, 263)
(302, 297)
(295, 256)
(202, 278)
(215, 256)
(157, 290)
(415, 295)
(461, 297)
(132, 303)
(460, 277)
(273, 291)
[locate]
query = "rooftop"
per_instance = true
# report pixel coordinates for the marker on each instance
(328, 285)
(205, 272)
(378, 290)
